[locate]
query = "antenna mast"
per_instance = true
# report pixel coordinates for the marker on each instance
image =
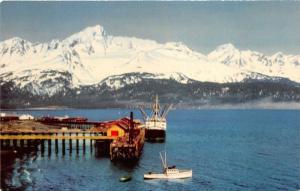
(156, 108)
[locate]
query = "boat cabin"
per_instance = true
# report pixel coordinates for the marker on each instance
(172, 171)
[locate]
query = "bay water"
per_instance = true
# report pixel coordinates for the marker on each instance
(226, 149)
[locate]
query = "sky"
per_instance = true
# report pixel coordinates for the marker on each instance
(267, 27)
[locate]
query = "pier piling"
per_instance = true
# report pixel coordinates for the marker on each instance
(7, 144)
(15, 143)
(63, 145)
(49, 147)
(70, 144)
(77, 144)
(22, 141)
(91, 144)
(28, 143)
(83, 145)
(42, 147)
(56, 145)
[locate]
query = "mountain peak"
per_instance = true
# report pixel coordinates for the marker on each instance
(15, 45)
(15, 40)
(177, 46)
(227, 46)
(223, 51)
(94, 30)
(278, 54)
(88, 34)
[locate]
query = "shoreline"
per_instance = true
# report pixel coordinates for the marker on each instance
(240, 106)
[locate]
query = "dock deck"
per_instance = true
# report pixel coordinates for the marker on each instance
(113, 135)
(53, 137)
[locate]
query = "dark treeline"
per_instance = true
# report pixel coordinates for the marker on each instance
(170, 91)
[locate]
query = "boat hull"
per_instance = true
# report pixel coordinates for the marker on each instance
(125, 178)
(182, 174)
(155, 135)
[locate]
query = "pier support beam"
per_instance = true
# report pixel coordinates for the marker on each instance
(42, 147)
(36, 144)
(29, 142)
(7, 143)
(49, 147)
(70, 144)
(22, 142)
(15, 143)
(91, 144)
(56, 145)
(63, 145)
(77, 144)
(83, 144)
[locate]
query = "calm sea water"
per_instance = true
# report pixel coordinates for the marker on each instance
(227, 150)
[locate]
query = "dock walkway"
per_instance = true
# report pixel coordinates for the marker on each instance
(53, 135)
(122, 139)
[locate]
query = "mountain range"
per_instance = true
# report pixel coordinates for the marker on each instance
(93, 59)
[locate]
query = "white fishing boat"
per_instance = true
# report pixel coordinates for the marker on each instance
(168, 172)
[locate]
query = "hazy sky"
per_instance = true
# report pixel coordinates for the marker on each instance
(268, 27)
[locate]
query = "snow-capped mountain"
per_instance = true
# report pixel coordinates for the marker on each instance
(280, 65)
(92, 57)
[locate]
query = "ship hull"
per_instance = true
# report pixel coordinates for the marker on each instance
(155, 135)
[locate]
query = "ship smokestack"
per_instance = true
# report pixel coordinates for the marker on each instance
(131, 127)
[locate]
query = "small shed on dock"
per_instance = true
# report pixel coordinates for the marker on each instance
(115, 131)
(26, 117)
(116, 128)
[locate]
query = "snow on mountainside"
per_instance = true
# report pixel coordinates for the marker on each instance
(279, 65)
(92, 57)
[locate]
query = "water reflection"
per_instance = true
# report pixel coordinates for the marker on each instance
(17, 159)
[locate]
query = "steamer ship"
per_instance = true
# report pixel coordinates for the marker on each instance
(156, 124)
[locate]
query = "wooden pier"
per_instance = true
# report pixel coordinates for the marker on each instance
(122, 139)
(53, 136)
(66, 140)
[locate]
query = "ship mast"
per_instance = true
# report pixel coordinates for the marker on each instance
(156, 108)
(156, 113)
